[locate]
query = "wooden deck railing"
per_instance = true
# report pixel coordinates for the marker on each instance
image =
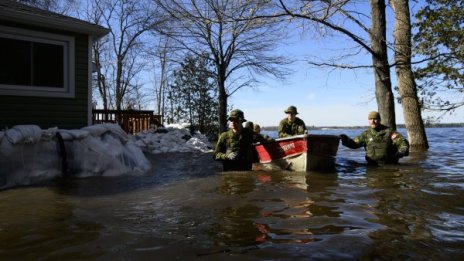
(131, 121)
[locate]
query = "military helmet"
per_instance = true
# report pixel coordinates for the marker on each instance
(237, 114)
(373, 115)
(291, 109)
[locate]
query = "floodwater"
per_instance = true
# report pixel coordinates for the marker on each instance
(187, 209)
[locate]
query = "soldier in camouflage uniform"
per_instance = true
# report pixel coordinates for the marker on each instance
(291, 125)
(383, 145)
(234, 147)
(249, 125)
(258, 136)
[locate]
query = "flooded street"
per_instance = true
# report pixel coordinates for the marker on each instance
(188, 209)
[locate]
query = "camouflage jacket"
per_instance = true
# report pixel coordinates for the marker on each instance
(381, 144)
(287, 129)
(261, 138)
(231, 142)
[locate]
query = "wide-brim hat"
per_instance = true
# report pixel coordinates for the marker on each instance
(237, 115)
(291, 109)
(373, 115)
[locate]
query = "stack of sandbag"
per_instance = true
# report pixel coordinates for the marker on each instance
(24, 159)
(29, 154)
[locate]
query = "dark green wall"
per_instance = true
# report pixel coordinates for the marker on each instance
(64, 113)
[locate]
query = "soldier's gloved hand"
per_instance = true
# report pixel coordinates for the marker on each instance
(232, 155)
(344, 138)
(401, 154)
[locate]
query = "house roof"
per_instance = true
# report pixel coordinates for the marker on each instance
(13, 11)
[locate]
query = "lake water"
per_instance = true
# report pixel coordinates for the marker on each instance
(188, 209)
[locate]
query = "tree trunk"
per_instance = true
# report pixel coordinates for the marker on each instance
(119, 88)
(383, 89)
(222, 110)
(406, 83)
(222, 105)
(101, 81)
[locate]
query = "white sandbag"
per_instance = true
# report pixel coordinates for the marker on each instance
(116, 130)
(73, 134)
(49, 134)
(6, 148)
(135, 159)
(89, 157)
(96, 130)
(26, 164)
(106, 156)
(24, 134)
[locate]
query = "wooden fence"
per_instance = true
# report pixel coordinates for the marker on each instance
(131, 121)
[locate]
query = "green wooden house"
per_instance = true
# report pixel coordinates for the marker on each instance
(45, 67)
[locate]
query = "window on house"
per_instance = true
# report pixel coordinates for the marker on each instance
(36, 64)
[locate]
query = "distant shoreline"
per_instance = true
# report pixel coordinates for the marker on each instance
(435, 125)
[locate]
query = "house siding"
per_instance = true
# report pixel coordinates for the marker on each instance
(46, 112)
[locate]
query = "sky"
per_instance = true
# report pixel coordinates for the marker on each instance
(323, 97)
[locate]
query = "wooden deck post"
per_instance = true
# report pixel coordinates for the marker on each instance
(131, 121)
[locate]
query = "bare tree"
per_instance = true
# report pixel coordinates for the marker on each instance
(94, 15)
(100, 79)
(121, 59)
(337, 16)
(127, 20)
(383, 84)
(239, 47)
(406, 83)
(162, 52)
(327, 14)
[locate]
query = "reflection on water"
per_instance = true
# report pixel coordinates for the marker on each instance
(37, 222)
(188, 209)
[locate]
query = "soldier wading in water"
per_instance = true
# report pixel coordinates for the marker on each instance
(383, 145)
(234, 147)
